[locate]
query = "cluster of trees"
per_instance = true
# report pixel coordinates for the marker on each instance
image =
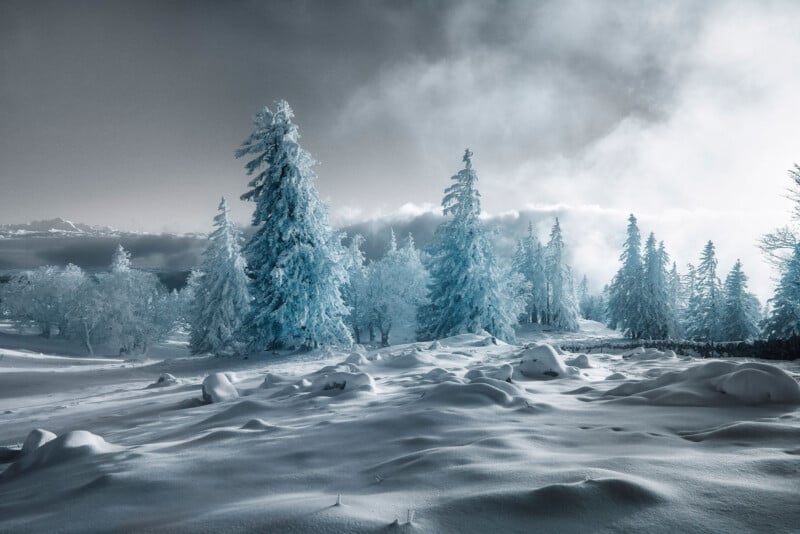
(124, 310)
(648, 299)
(549, 295)
(295, 283)
(298, 283)
(384, 295)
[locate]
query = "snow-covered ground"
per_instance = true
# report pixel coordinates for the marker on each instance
(460, 435)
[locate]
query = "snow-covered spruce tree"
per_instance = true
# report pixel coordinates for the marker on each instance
(398, 284)
(742, 311)
(590, 306)
(220, 295)
(784, 318)
(294, 259)
(677, 300)
(465, 291)
(529, 262)
(658, 318)
(356, 292)
(625, 300)
(704, 315)
(562, 310)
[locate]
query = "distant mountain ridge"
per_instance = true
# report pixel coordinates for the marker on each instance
(57, 226)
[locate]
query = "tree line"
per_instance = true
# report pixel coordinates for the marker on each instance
(298, 283)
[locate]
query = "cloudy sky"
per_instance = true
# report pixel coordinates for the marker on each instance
(686, 113)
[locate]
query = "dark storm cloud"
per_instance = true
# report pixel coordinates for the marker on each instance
(111, 110)
(127, 113)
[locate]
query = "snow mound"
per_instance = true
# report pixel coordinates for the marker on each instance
(716, 383)
(338, 368)
(502, 372)
(616, 376)
(488, 341)
(541, 361)
(577, 501)
(271, 379)
(164, 380)
(581, 362)
(339, 382)
(357, 359)
(257, 424)
(479, 392)
(435, 345)
(36, 438)
(406, 360)
(64, 448)
(218, 388)
(749, 431)
(437, 375)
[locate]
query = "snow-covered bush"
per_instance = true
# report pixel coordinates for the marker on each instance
(125, 310)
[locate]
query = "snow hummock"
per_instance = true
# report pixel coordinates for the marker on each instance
(61, 449)
(341, 381)
(581, 362)
(713, 383)
(218, 388)
(541, 361)
(164, 380)
(36, 439)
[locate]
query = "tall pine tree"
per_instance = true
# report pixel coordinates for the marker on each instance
(704, 314)
(466, 294)
(784, 318)
(220, 296)
(294, 259)
(625, 300)
(658, 319)
(562, 310)
(742, 311)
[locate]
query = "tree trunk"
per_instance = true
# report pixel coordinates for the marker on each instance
(87, 338)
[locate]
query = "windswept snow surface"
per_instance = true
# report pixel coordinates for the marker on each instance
(450, 434)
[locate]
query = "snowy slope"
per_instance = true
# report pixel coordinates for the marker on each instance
(643, 441)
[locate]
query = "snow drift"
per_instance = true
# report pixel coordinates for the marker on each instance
(715, 383)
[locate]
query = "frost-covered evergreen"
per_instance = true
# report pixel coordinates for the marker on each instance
(562, 310)
(784, 318)
(356, 293)
(625, 301)
(466, 291)
(676, 296)
(529, 262)
(704, 313)
(294, 259)
(398, 284)
(591, 306)
(220, 296)
(658, 319)
(742, 311)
